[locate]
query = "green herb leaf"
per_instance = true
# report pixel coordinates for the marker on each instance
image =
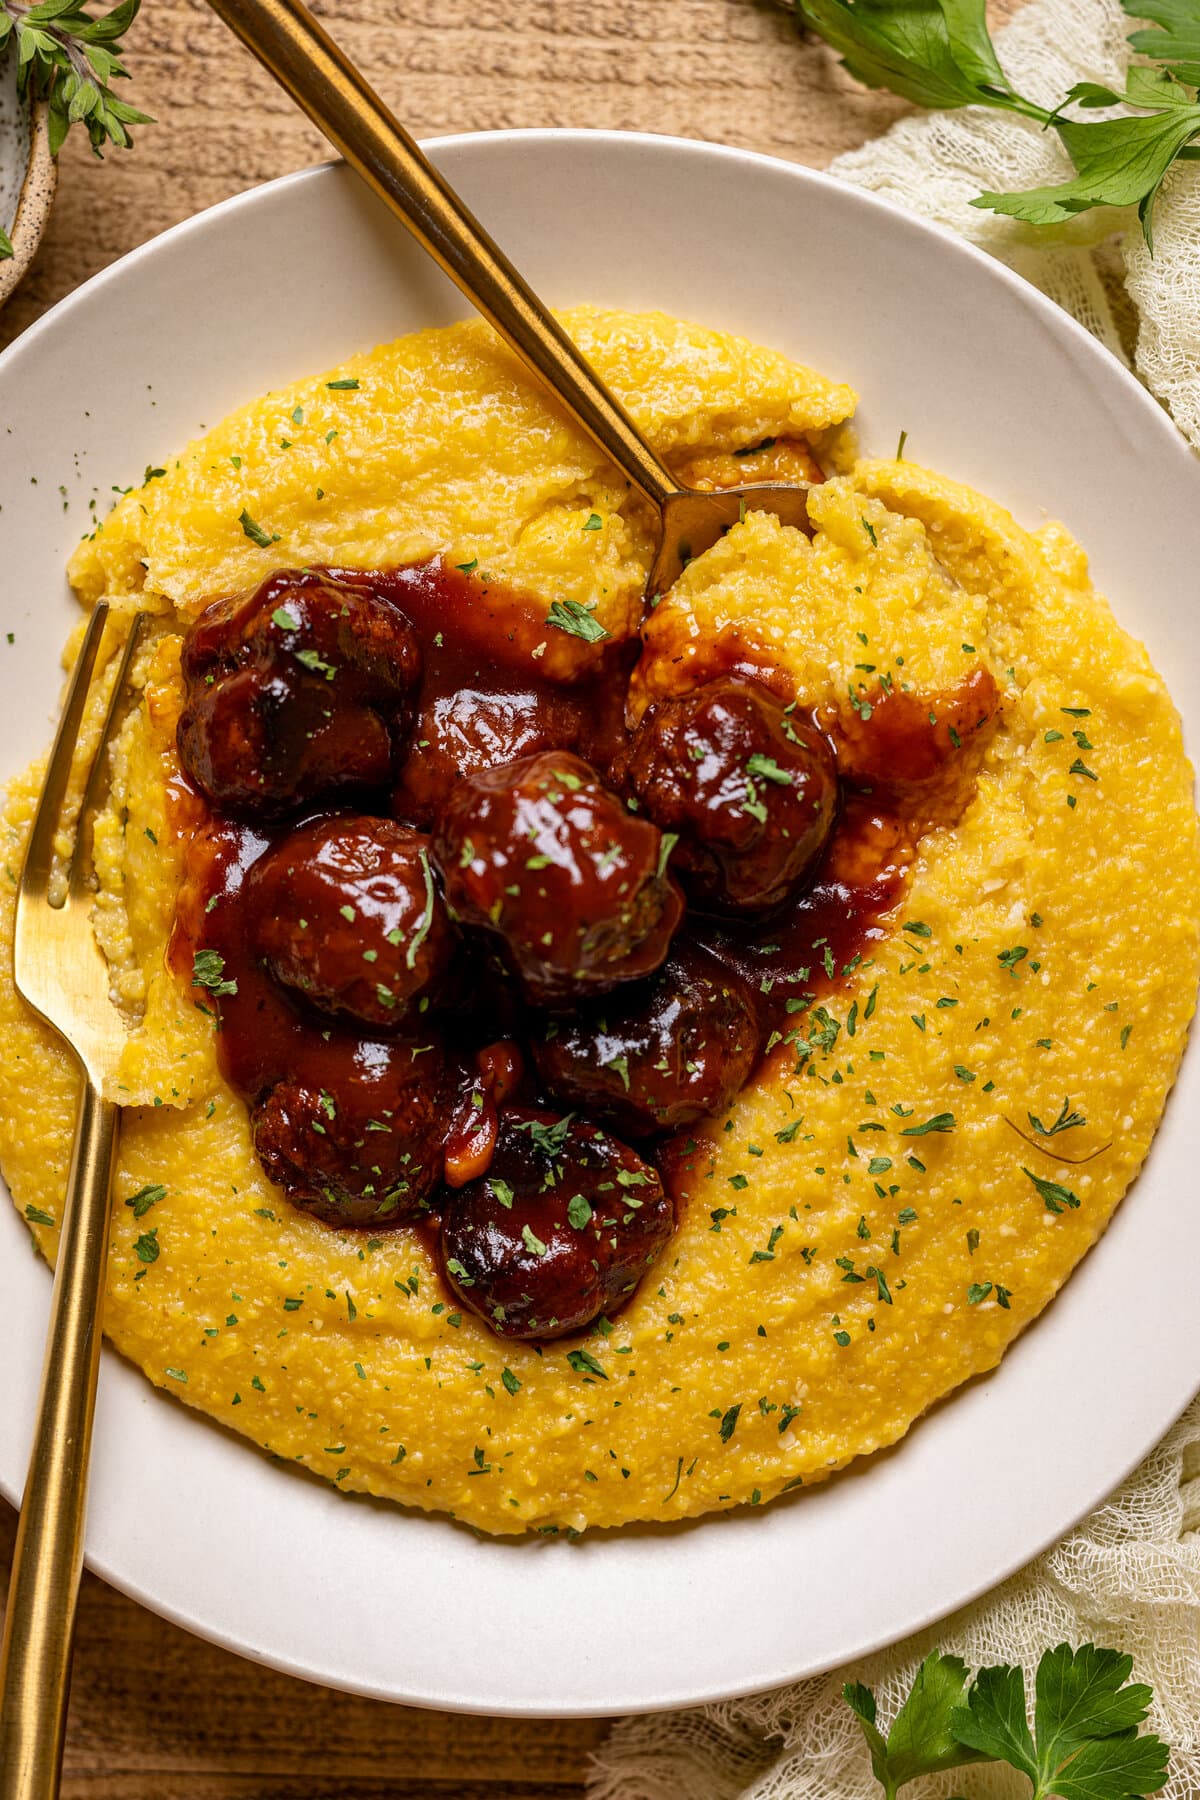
(576, 621)
(1084, 1745)
(584, 1363)
(1176, 43)
(939, 1122)
(254, 531)
(208, 971)
(68, 59)
(769, 769)
(579, 1212)
(938, 53)
(1119, 162)
(1052, 1192)
(145, 1198)
(934, 52)
(921, 1741)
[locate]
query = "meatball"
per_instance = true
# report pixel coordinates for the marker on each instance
(750, 791)
(561, 1228)
(469, 729)
(659, 1055)
(305, 686)
(365, 1148)
(346, 912)
(539, 852)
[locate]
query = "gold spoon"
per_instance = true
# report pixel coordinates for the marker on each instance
(305, 61)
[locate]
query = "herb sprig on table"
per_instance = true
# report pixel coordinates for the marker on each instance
(1084, 1745)
(69, 59)
(938, 53)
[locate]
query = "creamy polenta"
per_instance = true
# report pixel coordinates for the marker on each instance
(904, 1184)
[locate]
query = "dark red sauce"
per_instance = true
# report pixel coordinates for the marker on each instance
(482, 701)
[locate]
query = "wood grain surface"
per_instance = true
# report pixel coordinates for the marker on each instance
(155, 1713)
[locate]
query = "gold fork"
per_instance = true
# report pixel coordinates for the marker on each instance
(61, 971)
(306, 62)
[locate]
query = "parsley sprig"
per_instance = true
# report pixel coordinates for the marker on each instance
(938, 53)
(68, 58)
(1084, 1745)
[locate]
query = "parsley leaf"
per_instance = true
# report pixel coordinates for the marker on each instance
(254, 531)
(1082, 1746)
(934, 52)
(208, 971)
(576, 621)
(939, 1122)
(920, 1741)
(1066, 1121)
(938, 53)
(1052, 1192)
(1176, 44)
(1119, 162)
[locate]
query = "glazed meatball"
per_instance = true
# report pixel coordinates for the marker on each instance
(346, 912)
(304, 687)
(561, 1228)
(750, 791)
(659, 1055)
(543, 855)
(469, 729)
(364, 1147)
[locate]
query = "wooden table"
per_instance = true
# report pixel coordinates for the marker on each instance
(155, 1713)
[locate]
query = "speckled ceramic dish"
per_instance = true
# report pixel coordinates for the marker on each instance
(28, 174)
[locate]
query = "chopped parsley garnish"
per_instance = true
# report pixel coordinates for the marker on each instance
(532, 1241)
(145, 1198)
(426, 919)
(584, 1363)
(579, 1212)
(1066, 1121)
(728, 1423)
(576, 621)
(1053, 1193)
(208, 971)
(939, 1122)
(146, 1247)
(769, 769)
(255, 532)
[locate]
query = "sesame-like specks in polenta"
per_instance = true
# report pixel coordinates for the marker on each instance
(947, 1108)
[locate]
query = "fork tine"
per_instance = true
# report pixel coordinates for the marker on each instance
(39, 855)
(81, 855)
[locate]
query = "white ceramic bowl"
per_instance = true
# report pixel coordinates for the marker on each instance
(993, 385)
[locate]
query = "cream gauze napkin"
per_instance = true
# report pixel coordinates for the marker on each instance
(1129, 1576)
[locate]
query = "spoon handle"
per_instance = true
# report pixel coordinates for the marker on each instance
(304, 59)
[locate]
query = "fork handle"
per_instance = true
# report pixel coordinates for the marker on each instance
(304, 59)
(39, 1625)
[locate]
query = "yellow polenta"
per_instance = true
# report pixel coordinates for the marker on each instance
(863, 1234)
